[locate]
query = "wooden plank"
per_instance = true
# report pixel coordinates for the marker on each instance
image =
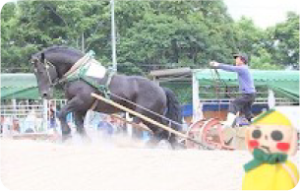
(145, 118)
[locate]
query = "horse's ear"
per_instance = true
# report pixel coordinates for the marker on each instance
(34, 61)
(43, 57)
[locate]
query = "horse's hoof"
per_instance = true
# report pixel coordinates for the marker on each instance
(87, 139)
(178, 146)
(164, 144)
(65, 138)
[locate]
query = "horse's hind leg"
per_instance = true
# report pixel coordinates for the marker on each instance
(159, 133)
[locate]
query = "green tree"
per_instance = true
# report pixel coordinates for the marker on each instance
(284, 39)
(13, 50)
(77, 24)
(248, 37)
(150, 34)
(180, 33)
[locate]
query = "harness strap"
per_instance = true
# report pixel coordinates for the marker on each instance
(79, 70)
(103, 88)
(109, 78)
(82, 61)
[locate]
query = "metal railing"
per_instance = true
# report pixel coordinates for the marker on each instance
(258, 101)
(27, 115)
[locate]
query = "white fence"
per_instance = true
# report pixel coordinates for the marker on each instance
(39, 116)
(29, 116)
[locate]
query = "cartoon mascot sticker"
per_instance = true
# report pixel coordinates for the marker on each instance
(271, 138)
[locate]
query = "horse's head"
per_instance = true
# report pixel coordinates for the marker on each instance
(45, 73)
(51, 64)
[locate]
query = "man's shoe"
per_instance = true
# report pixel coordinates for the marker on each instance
(229, 136)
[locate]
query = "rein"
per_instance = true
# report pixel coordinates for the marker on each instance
(217, 88)
(222, 81)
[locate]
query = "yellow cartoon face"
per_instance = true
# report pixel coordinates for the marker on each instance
(272, 138)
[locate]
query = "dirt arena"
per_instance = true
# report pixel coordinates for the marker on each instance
(123, 165)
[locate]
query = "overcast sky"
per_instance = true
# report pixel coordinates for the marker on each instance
(264, 13)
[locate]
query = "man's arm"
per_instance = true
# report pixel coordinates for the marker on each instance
(226, 67)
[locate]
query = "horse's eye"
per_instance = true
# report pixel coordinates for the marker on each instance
(277, 135)
(256, 134)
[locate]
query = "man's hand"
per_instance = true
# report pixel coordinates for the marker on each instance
(214, 64)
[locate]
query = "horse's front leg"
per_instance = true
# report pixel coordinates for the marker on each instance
(69, 107)
(79, 122)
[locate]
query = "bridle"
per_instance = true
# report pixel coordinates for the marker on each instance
(48, 65)
(55, 81)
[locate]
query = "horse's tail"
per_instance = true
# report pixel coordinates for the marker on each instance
(173, 109)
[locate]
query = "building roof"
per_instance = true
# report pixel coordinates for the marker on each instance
(19, 86)
(282, 81)
(258, 75)
(170, 72)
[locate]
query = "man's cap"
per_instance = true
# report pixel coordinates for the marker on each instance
(272, 117)
(243, 56)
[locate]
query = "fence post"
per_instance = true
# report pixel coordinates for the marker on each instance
(45, 117)
(197, 107)
(128, 126)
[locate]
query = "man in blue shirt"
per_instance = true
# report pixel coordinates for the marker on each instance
(1, 123)
(243, 103)
(106, 125)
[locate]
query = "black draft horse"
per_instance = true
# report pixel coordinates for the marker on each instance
(50, 66)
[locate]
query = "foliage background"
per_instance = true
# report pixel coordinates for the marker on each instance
(150, 34)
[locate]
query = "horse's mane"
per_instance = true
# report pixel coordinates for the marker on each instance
(59, 48)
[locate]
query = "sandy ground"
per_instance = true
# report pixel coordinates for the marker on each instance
(123, 165)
